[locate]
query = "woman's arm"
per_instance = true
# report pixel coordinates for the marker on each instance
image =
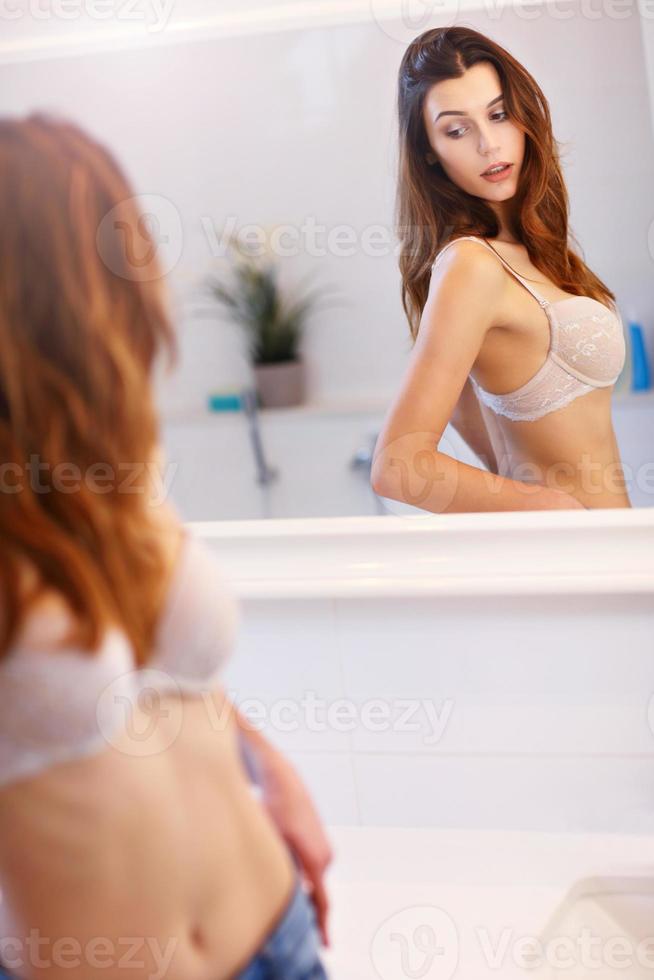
(258, 755)
(469, 422)
(465, 296)
(291, 809)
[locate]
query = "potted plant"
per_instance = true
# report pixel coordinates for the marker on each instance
(273, 323)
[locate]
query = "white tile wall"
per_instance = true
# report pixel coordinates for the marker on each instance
(522, 714)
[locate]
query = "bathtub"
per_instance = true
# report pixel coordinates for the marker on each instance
(212, 473)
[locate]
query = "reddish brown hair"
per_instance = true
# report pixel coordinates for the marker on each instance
(431, 209)
(80, 328)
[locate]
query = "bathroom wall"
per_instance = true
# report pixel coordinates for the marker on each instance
(483, 672)
(539, 708)
(258, 117)
(212, 466)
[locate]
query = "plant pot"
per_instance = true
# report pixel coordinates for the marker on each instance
(280, 384)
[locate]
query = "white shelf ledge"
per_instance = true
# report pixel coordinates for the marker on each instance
(373, 404)
(595, 552)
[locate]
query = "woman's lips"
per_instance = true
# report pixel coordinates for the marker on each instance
(502, 175)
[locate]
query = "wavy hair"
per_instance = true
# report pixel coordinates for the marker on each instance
(82, 320)
(430, 209)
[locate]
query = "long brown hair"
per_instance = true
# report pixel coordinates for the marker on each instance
(81, 325)
(430, 209)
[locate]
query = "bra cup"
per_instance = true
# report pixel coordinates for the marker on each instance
(199, 626)
(66, 704)
(63, 705)
(592, 342)
(587, 350)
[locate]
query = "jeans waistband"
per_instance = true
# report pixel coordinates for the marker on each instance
(291, 950)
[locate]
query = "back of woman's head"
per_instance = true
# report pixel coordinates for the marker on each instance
(82, 320)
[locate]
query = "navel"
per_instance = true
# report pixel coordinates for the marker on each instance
(198, 939)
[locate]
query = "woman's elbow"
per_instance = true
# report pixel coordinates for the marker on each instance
(421, 480)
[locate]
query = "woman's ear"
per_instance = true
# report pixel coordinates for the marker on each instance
(430, 158)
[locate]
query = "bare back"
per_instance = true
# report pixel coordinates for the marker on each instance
(169, 847)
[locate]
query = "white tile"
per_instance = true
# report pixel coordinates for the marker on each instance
(535, 675)
(573, 794)
(329, 779)
(459, 724)
(286, 668)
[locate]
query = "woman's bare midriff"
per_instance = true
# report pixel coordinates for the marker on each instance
(573, 448)
(170, 850)
(548, 451)
(156, 853)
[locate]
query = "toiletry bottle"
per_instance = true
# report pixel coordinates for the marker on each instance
(624, 381)
(641, 380)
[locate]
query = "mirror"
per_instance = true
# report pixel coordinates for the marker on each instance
(279, 123)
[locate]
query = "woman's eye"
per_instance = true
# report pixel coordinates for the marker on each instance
(497, 116)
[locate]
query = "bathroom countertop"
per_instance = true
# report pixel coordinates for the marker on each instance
(475, 894)
(365, 405)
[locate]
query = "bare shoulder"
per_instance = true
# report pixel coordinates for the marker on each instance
(467, 288)
(471, 262)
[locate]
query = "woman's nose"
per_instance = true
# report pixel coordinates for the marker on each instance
(486, 143)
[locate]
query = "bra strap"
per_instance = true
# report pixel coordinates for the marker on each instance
(474, 238)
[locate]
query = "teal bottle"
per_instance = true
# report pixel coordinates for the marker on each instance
(641, 375)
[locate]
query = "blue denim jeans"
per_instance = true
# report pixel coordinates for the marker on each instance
(289, 953)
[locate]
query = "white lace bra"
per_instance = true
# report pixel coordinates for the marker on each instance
(587, 351)
(59, 704)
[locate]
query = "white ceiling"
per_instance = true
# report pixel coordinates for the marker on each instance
(36, 29)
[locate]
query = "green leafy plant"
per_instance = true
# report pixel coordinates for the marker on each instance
(274, 323)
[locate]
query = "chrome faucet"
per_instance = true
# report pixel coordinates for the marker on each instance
(362, 459)
(265, 474)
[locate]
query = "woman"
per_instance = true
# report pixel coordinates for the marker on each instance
(510, 327)
(131, 841)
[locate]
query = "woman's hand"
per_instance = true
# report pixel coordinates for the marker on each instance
(287, 802)
(562, 500)
(289, 805)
